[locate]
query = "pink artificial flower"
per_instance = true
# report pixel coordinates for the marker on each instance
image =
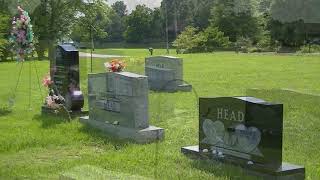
(47, 81)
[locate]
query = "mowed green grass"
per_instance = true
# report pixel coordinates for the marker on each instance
(42, 147)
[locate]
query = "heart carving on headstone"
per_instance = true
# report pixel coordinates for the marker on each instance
(214, 132)
(248, 138)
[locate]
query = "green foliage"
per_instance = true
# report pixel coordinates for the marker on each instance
(4, 35)
(213, 38)
(243, 44)
(314, 48)
(191, 40)
(235, 18)
(117, 24)
(139, 24)
(52, 22)
(92, 21)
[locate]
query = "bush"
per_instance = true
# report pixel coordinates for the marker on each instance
(190, 40)
(4, 32)
(212, 38)
(243, 44)
(310, 49)
(4, 49)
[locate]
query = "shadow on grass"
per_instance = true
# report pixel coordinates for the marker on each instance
(117, 143)
(50, 121)
(292, 100)
(5, 111)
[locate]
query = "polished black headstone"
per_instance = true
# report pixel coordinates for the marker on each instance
(66, 76)
(246, 128)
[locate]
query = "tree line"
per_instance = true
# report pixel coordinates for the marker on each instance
(189, 25)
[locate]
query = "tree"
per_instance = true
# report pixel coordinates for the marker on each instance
(91, 21)
(52, 22)
(235, 18)
(120, 8)
(202, 11)
(138, 25)
(4, 30)
(179, 14)
(117, 25)
(290, 18)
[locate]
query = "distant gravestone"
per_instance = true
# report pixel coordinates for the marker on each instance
(245, 131)
(165, 73)
(118, 105)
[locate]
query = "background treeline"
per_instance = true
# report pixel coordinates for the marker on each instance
(191, 25)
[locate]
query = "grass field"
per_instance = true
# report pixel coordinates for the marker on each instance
(42, 147)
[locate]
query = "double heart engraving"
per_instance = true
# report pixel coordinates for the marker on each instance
(239, 137)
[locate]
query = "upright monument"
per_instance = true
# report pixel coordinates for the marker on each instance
(165, 73)
(118, 105)
(244, 131)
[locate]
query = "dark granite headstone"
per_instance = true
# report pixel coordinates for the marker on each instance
(66, 76)
(244, 131)
(244, 127)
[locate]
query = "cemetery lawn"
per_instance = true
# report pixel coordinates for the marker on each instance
(47, 147)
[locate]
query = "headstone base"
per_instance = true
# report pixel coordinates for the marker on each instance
(47, 111)
(185, 88)
(285, 172)
(147, 135)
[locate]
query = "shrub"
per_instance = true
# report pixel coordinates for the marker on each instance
(243, 44)
(4, 32)
(310, 49)
(213, 38)
(190, 40)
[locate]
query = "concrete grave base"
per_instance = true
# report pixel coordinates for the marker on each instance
(147, 135)
(184, 87)
(285, 172)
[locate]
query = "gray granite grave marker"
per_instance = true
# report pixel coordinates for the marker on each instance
(165, 73)
(118, 104)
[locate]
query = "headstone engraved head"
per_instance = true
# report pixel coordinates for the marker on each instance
(64, 71)
(119, 103)
(243, 127)
(165, 73)
(245, 131)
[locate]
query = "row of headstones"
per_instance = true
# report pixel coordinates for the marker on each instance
(244, 130)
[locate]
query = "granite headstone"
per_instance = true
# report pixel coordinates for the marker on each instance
(66, 76)
(165, 73)
(118, 105)
(245, 131)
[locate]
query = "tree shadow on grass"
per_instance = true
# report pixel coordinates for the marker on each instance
(50, 121)
(291, 99)
(117, 143)
(5, 111)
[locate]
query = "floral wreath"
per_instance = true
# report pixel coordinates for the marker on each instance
(21, 37)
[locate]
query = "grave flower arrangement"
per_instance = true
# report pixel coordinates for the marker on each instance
(53, 101)
(21, 37)
(115, 65)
